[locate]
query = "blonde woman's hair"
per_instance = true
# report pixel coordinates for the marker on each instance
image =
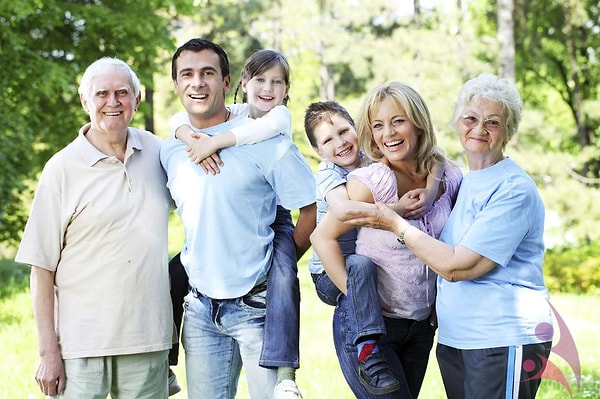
(416, 111)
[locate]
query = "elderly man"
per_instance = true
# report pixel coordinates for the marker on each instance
(96, 241)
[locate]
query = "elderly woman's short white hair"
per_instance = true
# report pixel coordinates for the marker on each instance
(491, 87)
(100, 67)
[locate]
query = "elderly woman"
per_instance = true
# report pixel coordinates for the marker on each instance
(395, 131)
(494, 317)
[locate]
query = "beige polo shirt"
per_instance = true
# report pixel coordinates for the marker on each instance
(101, 225)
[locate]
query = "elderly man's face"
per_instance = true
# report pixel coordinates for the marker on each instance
(111, 102)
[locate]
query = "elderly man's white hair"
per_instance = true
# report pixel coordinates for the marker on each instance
(99, 67)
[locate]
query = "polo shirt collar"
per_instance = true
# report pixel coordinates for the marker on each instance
(91, 155)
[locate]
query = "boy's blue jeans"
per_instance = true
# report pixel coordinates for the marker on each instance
(405, 343)
(362, 299)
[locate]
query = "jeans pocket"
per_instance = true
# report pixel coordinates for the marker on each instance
(256, 301)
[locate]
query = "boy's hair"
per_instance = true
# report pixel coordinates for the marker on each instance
(416, 112)
(196, 45)
(319, 112)
(101, 66)
(259, 62)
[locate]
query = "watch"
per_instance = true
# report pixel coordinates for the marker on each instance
(400, 237)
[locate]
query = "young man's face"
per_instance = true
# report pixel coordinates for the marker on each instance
(201, 87)
(337, 142)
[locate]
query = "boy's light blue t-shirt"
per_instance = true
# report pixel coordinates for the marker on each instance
(227, 217)
(330, 176)
(499, 215)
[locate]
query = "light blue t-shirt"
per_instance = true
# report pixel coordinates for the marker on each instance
(330, 176)
(499, 215)
(227, 217)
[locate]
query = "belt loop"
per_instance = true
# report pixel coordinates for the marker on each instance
(195, 292)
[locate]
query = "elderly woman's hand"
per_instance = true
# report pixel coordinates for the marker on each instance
(381, 216)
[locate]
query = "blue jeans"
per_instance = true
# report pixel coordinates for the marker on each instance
(281, 346)
(219, 336)
(406, 346)
(363, 301)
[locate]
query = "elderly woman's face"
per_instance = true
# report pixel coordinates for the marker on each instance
(481, 129)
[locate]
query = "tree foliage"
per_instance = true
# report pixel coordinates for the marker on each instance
(338, 49)
(575, 269)
(558, 46)
(45, 46)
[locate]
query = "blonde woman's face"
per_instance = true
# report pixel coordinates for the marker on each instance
(394, 134)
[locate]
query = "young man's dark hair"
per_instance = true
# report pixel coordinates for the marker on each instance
(196, 45)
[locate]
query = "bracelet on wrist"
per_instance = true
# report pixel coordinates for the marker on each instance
(400, 237)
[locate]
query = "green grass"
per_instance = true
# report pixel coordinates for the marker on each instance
(319, 376)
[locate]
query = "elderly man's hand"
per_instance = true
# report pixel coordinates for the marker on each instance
(50, 375)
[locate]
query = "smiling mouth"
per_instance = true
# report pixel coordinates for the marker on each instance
(394, 143)
(479, 139)
(113, 113)
(344, 152)
(266, 98)
(198, 96)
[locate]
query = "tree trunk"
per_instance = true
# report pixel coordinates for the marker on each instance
(277, 26)
(327, 87)
(149, 117)
(583, 134)
(506, 37)
(417, 15)
(460, 43)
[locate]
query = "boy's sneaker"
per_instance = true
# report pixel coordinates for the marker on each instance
(174, 386)
(286, 389)
(375, 374)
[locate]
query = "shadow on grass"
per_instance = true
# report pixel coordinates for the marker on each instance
(14, 278)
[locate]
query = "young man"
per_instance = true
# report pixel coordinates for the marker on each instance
(226, 217)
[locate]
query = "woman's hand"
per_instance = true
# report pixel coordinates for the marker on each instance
(421, 202)
(381, 216)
